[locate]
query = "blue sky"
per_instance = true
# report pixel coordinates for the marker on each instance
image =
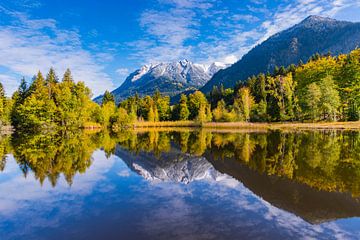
(103, 41)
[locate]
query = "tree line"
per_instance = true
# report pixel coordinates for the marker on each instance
(325, 88)
(48, 103)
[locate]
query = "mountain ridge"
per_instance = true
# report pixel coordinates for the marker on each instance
(315, 34)
(169, 78)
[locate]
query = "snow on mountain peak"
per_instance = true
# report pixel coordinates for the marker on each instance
(169, 78)
(184, 68)
(184, 62)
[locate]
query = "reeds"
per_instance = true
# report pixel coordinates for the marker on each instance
(252, 126)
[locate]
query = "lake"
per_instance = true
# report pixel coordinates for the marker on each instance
(180, 184)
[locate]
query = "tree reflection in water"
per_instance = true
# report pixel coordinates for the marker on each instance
(328, 161)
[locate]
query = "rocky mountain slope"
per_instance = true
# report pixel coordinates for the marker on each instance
(169, 78)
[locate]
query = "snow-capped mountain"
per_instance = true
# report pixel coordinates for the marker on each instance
(169, 78)
(172, 167)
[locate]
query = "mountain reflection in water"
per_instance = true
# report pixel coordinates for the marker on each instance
(313, 174)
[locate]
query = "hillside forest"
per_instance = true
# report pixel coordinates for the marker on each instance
(326, 88)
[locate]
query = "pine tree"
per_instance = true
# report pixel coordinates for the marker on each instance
(68, 76)
(108, 97)
(23, 90)
(51, 82)
(38, 110)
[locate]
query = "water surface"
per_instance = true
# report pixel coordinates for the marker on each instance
(180, 185)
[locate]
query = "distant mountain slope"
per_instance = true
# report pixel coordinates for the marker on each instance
(313, 35)
(169, 78)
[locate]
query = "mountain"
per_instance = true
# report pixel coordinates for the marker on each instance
(175, 166)
(170, 167)
(313, 35)
(169, 78)
(308, 203)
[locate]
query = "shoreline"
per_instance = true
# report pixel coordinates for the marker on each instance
(251, 126)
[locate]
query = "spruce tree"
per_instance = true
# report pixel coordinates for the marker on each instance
(108, 97)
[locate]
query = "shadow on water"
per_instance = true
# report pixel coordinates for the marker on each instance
(315, 175)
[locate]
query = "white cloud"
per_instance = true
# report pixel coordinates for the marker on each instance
(28, 45)
(178, 30)
(284, 17)
(123, 72)
(245, 17)
(9, 82)
(289, 15)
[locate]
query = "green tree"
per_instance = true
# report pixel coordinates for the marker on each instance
(197, 101)
(243, 104)
(121, 120)
(162, 105)
(37, 110)
(348, 79)
(180, 111)
(220, 111)
(108, 97)
(151, 114)
(67, 76)
(312, 101)
(330, 99)
(3, 103)
(108, 112)
(184, 112)
(51, 81)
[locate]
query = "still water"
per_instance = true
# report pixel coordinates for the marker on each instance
(180, 185)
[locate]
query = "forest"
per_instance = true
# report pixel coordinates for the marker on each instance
(326, 88)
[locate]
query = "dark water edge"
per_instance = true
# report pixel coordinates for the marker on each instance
(189, 185)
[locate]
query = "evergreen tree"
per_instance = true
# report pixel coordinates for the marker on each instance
(23, 90)
(38, 110)
(108, 97)
(51, 82)
(68, 76)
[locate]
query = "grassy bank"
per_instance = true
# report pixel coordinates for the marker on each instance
(251, 126)
(166, 124)
(4, 130)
